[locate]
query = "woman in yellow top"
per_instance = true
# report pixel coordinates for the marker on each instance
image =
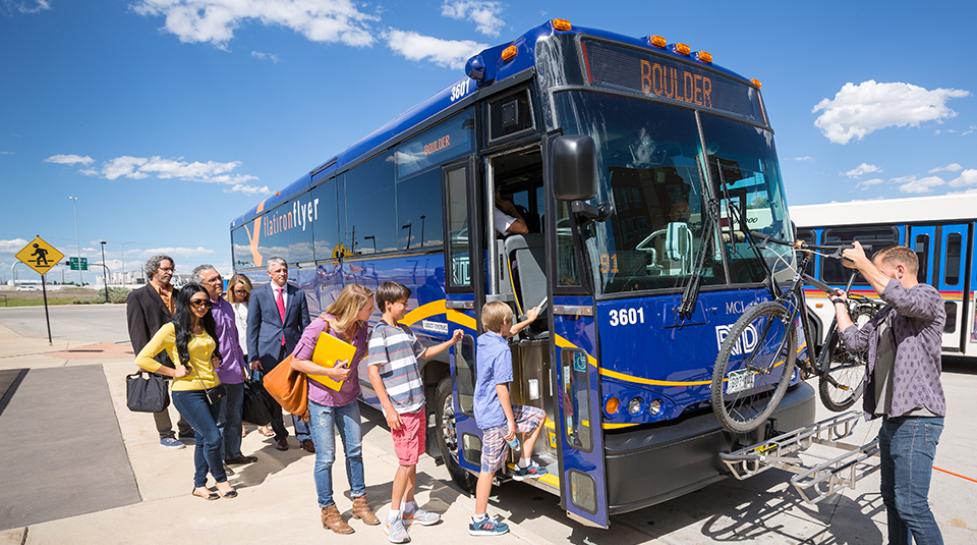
(190, 339)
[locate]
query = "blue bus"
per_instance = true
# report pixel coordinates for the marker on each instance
(622, 156)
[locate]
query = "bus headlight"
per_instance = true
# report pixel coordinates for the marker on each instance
(634, 406)
(655, 407)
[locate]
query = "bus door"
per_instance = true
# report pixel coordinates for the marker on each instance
(573, 344)
(951, 282)
(463, 272)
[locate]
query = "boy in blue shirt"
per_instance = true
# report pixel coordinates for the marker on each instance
(495, 415)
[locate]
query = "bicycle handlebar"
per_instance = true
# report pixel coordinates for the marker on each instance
(801, 245)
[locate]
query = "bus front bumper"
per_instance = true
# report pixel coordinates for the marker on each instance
(653, 465)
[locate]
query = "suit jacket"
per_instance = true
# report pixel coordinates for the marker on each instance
(265, 326)
(145, 314)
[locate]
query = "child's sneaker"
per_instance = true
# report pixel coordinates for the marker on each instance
(421, 516)
(396, 531)
(532, 471)
(489, 526)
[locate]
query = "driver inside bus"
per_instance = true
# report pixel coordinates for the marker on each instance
(507, 219)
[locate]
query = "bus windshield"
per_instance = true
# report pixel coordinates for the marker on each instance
(650, 163)
(746, 177)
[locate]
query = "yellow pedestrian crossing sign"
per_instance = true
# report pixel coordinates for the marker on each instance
(39, 255)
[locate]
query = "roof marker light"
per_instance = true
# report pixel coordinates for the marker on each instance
(561, 24)
(682, 49)
(756, 83)
(703, 56)
(658, 41)
(509, 53)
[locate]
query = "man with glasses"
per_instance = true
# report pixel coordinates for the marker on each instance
(147, 309)
(231, 371)
(277, 315)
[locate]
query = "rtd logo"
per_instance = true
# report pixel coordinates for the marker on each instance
(744, 345)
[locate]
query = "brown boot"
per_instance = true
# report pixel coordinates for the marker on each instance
(362, 511)
(332, 520)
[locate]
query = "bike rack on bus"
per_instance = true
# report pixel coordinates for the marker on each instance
(812, 482)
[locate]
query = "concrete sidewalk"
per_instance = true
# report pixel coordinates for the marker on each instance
(277, 502)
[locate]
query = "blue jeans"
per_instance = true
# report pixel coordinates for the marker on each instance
(193, 405)
(907, 446)
(347, 419)
(231, 413)
(302, 431)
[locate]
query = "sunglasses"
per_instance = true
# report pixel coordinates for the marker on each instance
(200, 302)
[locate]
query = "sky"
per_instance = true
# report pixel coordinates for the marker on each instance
(167, 119)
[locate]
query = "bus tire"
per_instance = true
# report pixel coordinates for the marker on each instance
(445, 419)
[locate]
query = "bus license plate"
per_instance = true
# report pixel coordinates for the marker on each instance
(737, 381)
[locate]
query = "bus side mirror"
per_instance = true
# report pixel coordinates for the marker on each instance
(574, 168)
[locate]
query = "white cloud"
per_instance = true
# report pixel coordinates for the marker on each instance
(214, 21)
(865, 184)
(967, 177)
(858, 110)
(249, 189)
(803, 158)
(9, 7)
(417, 47)
(485, 14)
(6, 152)
(12, 245)
(262, 56)
(182, 251)
(69, 159)
(863, 168)
(970, 130)
(138, 168)
(952, 167)
(912, 184)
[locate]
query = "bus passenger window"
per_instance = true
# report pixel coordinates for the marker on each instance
(871, 238)
(808, 236)
(921, 248)
(951, 273)
(458, 247)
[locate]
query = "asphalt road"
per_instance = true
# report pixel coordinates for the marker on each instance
(81, 323)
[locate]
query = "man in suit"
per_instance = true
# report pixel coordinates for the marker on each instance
(147, 309)
(277, 315)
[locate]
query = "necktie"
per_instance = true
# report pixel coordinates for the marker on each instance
(280, 301)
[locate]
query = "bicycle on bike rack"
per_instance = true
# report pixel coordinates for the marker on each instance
(757, 359)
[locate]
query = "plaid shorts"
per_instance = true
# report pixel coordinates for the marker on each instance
(494, 446)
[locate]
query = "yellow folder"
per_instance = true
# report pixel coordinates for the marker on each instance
(329, 350)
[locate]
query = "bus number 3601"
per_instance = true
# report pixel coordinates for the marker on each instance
(627, 316)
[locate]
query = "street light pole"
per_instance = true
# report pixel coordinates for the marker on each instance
(74, 202)
(105, 274)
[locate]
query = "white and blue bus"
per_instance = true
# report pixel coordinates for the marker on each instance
(622, 155)
(939, 229)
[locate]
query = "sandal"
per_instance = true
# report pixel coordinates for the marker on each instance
(266, 431)
(229, 494)
(210, 495)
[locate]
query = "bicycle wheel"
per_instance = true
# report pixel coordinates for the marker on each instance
(840, 383)
(754, 367)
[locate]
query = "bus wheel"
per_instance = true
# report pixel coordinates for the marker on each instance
(448, 436)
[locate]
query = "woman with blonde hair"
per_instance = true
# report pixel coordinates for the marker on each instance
(347, 319)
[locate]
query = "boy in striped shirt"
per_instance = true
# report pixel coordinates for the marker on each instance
(392, 361)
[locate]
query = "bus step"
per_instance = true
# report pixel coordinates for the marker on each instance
(812, 482)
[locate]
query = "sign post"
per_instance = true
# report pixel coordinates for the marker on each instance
(42, 257)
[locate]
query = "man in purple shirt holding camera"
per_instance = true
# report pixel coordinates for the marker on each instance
(902, 383)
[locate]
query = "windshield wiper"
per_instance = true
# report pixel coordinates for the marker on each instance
(691, 292)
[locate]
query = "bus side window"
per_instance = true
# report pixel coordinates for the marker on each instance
(872, 238)
(807, 235)
(921, 248)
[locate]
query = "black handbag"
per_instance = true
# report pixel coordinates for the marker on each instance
(216, 394)
(255, 404)
(146, 393)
